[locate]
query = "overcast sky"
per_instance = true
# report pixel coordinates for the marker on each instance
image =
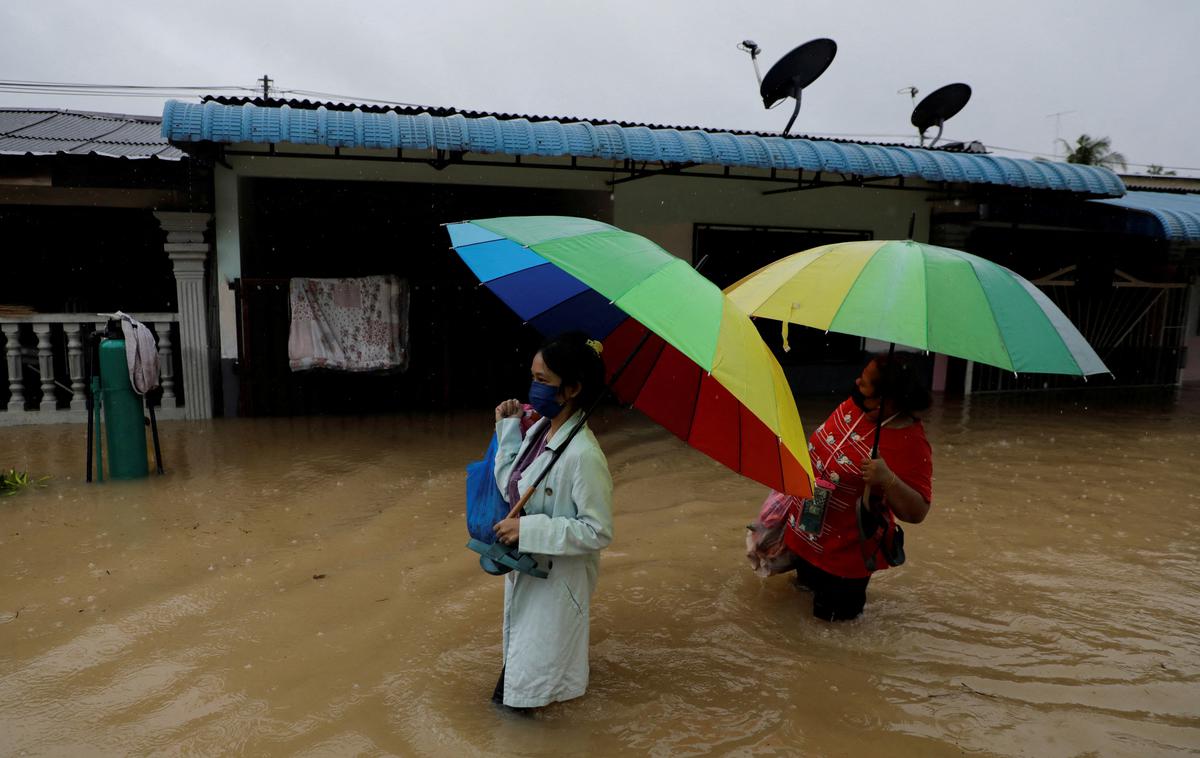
(1128, 70)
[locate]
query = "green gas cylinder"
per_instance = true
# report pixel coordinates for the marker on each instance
(124, 422)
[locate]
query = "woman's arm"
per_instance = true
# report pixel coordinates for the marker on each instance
(508, 442)
(592, 527)
(908, 504)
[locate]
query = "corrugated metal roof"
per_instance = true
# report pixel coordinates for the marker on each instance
(1178, 214)
(54, 132)
(216, 122)
(438, 110)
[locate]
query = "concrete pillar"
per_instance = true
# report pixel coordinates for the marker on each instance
(227, 236)
(189, 253)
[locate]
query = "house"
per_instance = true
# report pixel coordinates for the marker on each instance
(98, 213)
(302, 189)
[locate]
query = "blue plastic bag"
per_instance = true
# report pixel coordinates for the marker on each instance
(485, 504)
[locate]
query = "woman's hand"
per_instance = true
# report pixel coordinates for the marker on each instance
(876, 473)
(509, 409)
(905, 502)
(508, 531)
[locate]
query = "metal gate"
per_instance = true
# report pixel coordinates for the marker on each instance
(1137, 328)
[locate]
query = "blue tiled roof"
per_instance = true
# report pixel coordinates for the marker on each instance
(1179, 215)
(216, 122)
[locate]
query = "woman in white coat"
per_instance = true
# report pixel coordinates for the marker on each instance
(565, 525)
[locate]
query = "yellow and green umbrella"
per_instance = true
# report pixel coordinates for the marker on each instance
(678, 349)
(928, 297)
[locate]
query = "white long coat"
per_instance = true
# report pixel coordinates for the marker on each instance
(567, 522)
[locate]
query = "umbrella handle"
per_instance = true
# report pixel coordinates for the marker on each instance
(879, 418)
(521, 503)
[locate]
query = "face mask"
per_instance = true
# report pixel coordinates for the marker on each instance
(544, 399)
(859, 398)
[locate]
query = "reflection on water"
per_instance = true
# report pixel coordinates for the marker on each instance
(299, 587)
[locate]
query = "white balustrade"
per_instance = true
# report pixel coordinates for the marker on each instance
(75, 364)
(12, 337)
(45, 360)
(67, 349)
(166, 364)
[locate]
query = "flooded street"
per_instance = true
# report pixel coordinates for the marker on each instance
(300, 587)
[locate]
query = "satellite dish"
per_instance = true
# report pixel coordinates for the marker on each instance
(938, 107)
(793, 72)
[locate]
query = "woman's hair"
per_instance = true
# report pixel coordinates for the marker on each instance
(571, 357)
(901, 381)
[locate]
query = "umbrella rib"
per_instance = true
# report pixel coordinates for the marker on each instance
(653, 362)
(741, 465)
(695, 401)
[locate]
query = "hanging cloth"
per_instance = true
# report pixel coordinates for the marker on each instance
(141, 353)
(348, 324)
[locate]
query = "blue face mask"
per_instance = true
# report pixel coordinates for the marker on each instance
(544, 399)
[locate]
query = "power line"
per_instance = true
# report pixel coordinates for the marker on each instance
(351, 98)
(83, 89)
(79, 89)
(158, 95)
(92, 85)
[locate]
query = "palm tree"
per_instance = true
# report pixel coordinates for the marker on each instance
(1093, 152)
(1157, 170)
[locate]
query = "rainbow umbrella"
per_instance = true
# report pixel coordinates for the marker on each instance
(927, 297)
(679, 350)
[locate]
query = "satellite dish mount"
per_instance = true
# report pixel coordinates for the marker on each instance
(749, 46)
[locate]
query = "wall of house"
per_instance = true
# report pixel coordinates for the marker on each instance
(665, 209)
(231, 213)
(466, 347)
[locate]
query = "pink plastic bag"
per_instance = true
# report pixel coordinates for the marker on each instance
(774, 509)
(765, 547)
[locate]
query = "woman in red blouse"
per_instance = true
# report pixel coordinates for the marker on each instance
(833, 556)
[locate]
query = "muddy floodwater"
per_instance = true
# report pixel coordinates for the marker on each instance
(300, 587)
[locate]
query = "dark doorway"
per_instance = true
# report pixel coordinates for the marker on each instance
(467, 349)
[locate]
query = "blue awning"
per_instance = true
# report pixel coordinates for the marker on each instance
(1179, 215)
(248, 123)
